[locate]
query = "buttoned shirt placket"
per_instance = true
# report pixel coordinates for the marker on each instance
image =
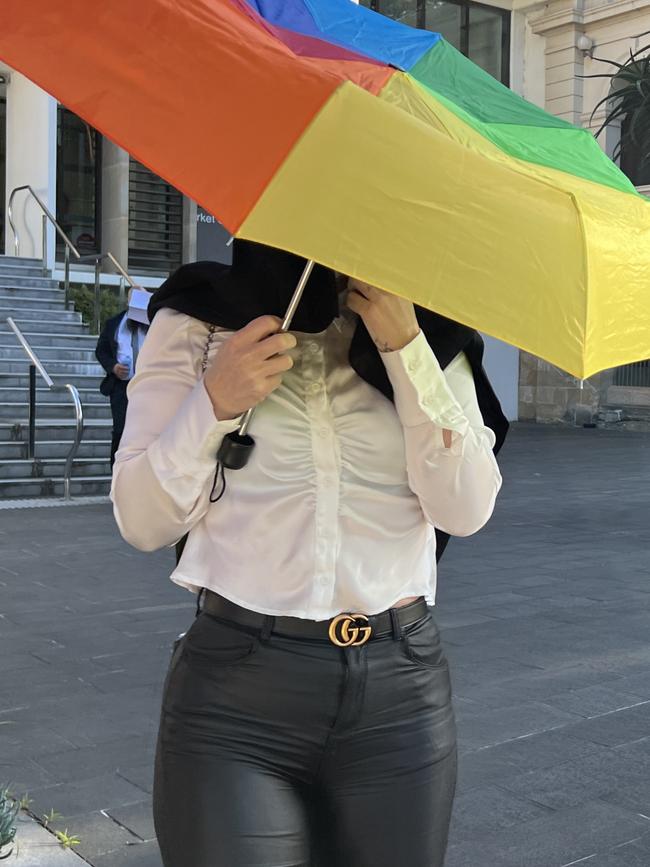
(326, 470)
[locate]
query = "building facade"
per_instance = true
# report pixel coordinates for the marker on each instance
(105, 201)
(558, 45)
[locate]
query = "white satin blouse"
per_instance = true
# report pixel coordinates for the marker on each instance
(336, 508)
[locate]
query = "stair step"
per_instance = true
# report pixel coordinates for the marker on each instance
(60, 369)
(21, 304)
(13, 352)
(81, 486)
(9, 294)
(80, 380)
(19, 283)
(24, 468)
(98, 449)
(55, 429)
(31, 314)
(22, 271)
(29, 327)
(7, 259)
(45, 395)
(38, 339)
(12, 410)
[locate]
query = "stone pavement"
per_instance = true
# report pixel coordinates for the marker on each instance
(546, 618)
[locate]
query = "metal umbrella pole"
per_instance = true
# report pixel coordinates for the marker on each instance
(236, 448)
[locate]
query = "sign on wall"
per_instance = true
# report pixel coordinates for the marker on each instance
(211, 238)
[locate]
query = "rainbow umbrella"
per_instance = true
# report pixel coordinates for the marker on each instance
(325, 129)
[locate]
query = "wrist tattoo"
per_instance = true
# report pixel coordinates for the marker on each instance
(383, 346)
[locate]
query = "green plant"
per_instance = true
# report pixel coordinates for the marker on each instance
(52, 816)
(25, 802)
(67, 840)
(83, 299)
(8, 811)
(628, 103)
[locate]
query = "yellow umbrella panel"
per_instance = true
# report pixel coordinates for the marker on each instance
(402, 193)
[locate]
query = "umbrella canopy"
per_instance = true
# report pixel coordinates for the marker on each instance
(376, 149)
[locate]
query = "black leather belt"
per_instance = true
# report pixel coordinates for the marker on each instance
(344, 630)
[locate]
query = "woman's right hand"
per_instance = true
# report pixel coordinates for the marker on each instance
(248, 367)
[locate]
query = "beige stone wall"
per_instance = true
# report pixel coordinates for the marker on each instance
(547, 394)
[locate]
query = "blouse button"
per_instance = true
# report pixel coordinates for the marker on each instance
(312, 348)
(412, 365)
(314, 387)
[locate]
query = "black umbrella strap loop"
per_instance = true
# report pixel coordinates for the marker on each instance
(218, 483)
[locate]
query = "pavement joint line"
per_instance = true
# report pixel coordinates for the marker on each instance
(119, 824)
(46, 502)
(581, 860)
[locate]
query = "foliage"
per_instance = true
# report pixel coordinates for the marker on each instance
(10, 806)
(8, 811)
(83, 298)
(628, 102)
(67, 840)
(52, 816)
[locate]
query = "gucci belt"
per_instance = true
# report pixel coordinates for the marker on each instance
(348, 630)
(343, 630)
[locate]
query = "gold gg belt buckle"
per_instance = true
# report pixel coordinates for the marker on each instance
(345, 630)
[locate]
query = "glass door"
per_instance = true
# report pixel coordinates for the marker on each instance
(78, 182)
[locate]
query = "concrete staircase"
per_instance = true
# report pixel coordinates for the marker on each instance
(67, 351)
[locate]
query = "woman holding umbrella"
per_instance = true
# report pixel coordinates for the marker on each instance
(307, 714)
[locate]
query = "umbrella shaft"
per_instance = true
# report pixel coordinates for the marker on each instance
(286, 323)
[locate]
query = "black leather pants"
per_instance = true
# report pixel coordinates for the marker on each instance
(287, 752)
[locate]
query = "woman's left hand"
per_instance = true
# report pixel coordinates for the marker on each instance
(390, 320)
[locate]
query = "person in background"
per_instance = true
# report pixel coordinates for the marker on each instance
(117, 351)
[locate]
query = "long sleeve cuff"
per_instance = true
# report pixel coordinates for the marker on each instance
(188, 445)
(422, 394)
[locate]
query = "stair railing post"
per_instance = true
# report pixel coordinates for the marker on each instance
(66, 283)
(97, 303)
(32, 412)
(44, 218)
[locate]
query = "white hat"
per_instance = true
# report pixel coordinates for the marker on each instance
(138, 302)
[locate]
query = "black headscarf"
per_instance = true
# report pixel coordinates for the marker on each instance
(261, 280)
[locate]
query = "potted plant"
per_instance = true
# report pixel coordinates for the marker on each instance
(8, 811)
(628, 104)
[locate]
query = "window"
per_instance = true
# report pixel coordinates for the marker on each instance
(78, 182)
(481, 32)
(155, 221)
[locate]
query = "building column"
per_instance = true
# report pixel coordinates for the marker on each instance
(189, 230)
(561, 22)
(31, 159)
(115, 203)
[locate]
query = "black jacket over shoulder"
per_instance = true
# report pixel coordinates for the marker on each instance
(106, 352)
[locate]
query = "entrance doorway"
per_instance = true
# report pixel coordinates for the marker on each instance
(78, 183)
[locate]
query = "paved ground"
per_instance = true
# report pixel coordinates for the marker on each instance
(546, 615)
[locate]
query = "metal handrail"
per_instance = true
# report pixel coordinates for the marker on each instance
(53, 386)
(69, 246)
(123, 276)
(46, 212)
